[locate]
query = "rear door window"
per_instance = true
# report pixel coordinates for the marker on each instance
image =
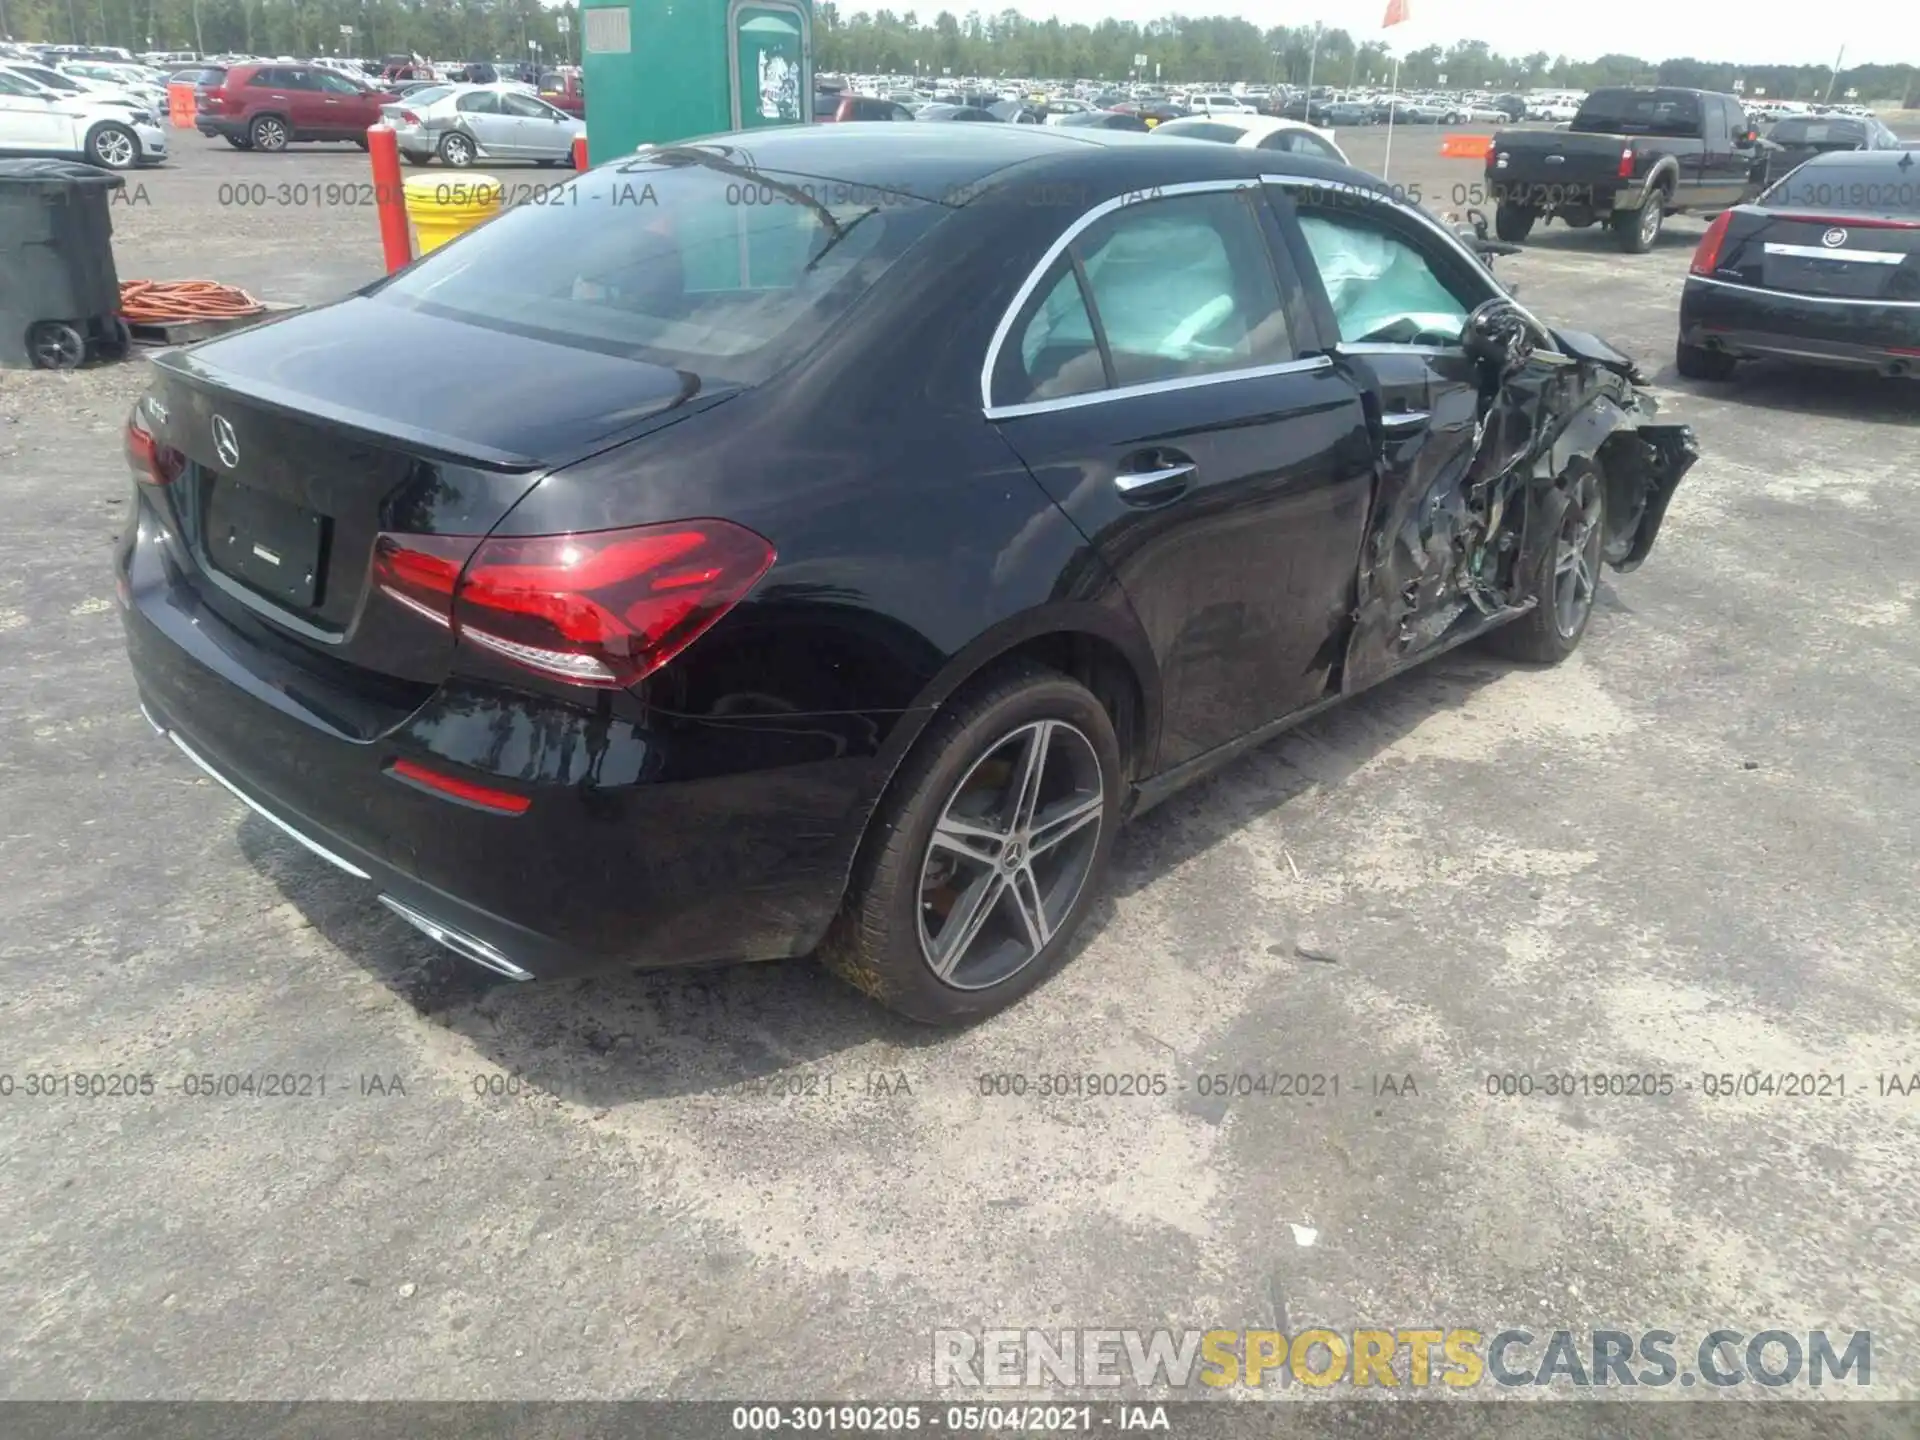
(480, 102)
(1169, 289)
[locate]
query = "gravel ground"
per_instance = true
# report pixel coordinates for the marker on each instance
(1688, 850)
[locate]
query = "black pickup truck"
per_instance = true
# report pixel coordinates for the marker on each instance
(1631, 157)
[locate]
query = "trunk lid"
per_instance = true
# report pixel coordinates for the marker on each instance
(1850, 255)
(298, 455)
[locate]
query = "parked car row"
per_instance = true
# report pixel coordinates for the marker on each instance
(45, 113)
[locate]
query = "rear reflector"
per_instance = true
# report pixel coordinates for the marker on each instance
(152, 462)
(485, 797)
(604, 608)
(1706, 258)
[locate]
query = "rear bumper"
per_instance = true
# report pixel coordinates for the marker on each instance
(223, 127)
(1752, 323)
(651, 841)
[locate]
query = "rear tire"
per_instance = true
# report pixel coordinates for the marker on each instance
(239, 142)
(1637, 231)
(414, 157)
(269, 133)
(913, 894)
(1567, 576)
(1697, 362)
(1513, 223)
(456, 150)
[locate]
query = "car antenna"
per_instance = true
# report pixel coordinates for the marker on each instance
(1906, 161)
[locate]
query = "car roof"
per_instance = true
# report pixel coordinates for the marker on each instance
(933, 162)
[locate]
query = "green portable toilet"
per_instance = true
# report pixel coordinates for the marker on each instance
(656, 71)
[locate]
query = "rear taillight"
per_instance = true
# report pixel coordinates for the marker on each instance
(152, 461)
(1706, 257)
(1626, 164)
(605, 609)
(407, 117)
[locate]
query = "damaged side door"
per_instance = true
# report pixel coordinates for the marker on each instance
(1475, 409)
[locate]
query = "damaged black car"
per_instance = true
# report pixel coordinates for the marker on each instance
(851, 529)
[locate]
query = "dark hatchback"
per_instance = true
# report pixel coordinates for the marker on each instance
(1823, 268)
(849, 528)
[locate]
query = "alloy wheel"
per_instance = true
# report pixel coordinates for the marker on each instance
(114, 148)
(270, 135)
(1650, 218)
(1576, 557)
(1010, 854)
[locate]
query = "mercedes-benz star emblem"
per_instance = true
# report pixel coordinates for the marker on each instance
(224, 444)
(1834, 238)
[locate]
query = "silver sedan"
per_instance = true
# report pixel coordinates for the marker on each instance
(464, 123)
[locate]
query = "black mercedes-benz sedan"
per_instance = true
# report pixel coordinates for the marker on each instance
(1823, 268)
(820, 541)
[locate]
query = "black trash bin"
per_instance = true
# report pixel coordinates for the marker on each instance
(59, 292)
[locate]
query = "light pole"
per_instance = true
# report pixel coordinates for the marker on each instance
(1312, 55)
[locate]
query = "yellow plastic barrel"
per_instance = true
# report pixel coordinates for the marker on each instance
(444, 206)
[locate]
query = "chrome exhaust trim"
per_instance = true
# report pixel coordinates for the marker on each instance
(265, 814)
(467, 947)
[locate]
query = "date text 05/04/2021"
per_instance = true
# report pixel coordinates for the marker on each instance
(882, 1419)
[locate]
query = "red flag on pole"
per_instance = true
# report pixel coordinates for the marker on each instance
(1396, 14)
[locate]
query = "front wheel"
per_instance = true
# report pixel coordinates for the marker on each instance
(1637, 230)
(983, 861)
(114, 146)
(1567, 576)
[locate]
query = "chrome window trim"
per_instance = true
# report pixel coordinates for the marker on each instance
(1797, 296)
(1039, 273)
(1158, 387)
(1822, 252)
(1421, 217)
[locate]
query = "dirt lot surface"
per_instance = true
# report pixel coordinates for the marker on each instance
(1688, 851)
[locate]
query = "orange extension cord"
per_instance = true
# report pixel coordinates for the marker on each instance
(171, 302)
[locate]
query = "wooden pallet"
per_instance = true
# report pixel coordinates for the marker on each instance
(185, 332)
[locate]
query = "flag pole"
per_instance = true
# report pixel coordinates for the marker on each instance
(1393, 103)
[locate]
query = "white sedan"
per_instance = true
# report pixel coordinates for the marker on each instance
(1257, 132)
(464, 123)
(37, 121)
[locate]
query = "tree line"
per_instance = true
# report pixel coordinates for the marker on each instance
(1208, 48)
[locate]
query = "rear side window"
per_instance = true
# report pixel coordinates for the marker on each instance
(1882, 189)
(1163, 290)
(726, 275)
(480, 102)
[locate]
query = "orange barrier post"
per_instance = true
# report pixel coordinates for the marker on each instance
(579, 152)
(180, 106)
(1466, 147)
(389, 197)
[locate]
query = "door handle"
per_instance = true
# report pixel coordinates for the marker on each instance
(1154, 484)
(1401, 421)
